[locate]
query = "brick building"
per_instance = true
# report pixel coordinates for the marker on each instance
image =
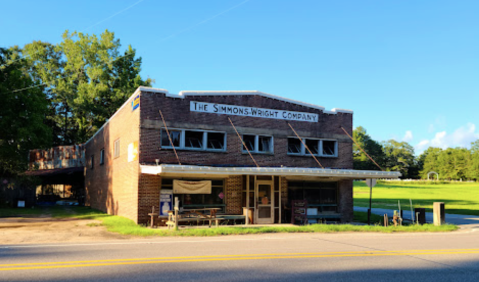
(131, 160)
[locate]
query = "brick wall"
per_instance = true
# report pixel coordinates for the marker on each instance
(233, 194)
(113, 187)
(148, 196)
(346, 200)
(177, 114)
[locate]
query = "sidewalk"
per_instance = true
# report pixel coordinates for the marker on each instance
(457, 219)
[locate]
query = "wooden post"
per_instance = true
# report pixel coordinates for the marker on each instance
(439, 213)
(177, 204)
(247, 201)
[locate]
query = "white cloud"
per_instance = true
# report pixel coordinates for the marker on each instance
(421, 146)
(461, 137)
(408, 136)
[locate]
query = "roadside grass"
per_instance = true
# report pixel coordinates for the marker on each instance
(53, 211)
(126, 226)
(363, 218)
(459, 198)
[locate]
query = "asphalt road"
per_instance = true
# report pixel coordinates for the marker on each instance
(274, 257)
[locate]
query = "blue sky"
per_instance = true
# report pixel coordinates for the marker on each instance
(408, 69)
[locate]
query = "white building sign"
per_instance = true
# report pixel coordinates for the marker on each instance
(251, 112)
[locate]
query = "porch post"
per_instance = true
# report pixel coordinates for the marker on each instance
(247, 201)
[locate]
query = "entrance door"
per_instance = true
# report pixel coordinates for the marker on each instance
(264, 199)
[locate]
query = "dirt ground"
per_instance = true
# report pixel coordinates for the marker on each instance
(34, 230)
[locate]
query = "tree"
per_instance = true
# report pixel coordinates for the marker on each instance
(474, 167)
(21, 113)
(400, 157)
(428, 161)
(373, 148)
(88, 80)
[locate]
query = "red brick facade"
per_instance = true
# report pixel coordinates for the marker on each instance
(118, 187)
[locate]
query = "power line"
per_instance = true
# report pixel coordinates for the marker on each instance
(204, 21)
(175, 34)
(127, 8)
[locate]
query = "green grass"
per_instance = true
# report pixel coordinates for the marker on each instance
(53, 211)
(459, 198)
(363, 218)
(126, 226)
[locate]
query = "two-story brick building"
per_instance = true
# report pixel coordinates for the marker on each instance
(197, 154)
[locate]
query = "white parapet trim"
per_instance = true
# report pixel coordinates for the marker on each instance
(186, 93)
(166, 169)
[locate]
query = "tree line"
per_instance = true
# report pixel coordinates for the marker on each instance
(391, 155)
(61, 94)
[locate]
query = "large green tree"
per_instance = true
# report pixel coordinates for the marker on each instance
(22, 113)
(474, 166)
(370, 146)
(400, 157)
(88, 79)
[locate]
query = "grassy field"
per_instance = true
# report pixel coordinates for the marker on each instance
(126, 226)
(459, 198)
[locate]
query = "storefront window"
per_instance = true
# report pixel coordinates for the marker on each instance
(188, 201)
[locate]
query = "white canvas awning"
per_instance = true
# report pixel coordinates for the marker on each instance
(191, 187)
(192, 170)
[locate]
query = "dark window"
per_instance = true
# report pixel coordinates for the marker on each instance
(329, 148)
(102, 157)
(264, 144)
(316, 193)
(313, 145)
(249, 140)
(194, 139)
(92, 161)
(116, 148)
(175, 138)
(294, 146)
(216, 141)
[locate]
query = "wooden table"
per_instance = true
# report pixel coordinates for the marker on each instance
(190, 215)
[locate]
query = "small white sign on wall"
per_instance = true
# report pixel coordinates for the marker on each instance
(251, 112)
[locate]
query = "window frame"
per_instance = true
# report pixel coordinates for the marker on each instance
(116, 148)
(306, 153)
(256, 144)
(102, 156)
(183, 138)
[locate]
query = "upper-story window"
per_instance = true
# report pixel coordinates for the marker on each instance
(319, 147)
(194, 140)
(102, 157)
(116, 148)
(258, 143)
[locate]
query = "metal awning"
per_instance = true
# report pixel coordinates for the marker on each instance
(174, 170)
